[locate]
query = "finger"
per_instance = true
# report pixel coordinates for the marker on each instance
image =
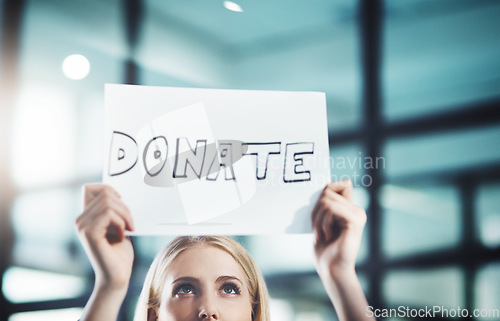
(91, 214)
(324, 222)
(327, 225)
(323, 234)
(316, 209)
(104, 202)
(98, 202)
(318, 222)
(111, 198)
(111, 227)
(91, 191)
(344, 211)
(317, 202)
(124, 212)
(332, 227)
(326, 194)
(115, 232)
(114, 227)
(334, 196)
(317, 236)
(93, 231)
(343, 187)
(327, 228)
(97, 211)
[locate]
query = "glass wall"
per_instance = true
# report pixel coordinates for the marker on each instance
(432, 236)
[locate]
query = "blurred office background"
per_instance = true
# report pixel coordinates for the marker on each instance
(413, 82)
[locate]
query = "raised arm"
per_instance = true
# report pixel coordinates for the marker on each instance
(338, 226)
(101, 229)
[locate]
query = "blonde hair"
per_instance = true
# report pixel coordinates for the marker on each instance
(155, 279)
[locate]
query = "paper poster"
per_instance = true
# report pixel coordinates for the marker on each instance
(210, 161)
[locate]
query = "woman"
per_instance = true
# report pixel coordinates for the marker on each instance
(191, 267)
(214, 278)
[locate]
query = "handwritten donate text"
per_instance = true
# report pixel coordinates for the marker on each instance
(200, 159)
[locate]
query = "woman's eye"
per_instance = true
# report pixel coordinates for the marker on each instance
(185, 289)
(230, 289)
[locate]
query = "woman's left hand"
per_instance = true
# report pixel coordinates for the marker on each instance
(338, 226)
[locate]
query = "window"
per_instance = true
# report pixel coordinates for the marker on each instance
(419, 219)
(413, 95)
(488, 218)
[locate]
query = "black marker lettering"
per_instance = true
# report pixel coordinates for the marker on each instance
(194, 157)
(224, 159)
(294, 160)
(122, 154)
(261, 151)
(155, 155)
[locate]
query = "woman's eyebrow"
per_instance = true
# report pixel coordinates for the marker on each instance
(224, 278)
(185, 279)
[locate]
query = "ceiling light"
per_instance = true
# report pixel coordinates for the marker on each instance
(76, 67)
(229, 5)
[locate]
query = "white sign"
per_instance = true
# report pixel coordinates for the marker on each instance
(210, 161)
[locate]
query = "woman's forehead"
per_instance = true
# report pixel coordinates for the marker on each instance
(204, 261)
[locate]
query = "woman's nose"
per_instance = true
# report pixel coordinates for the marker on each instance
(208, 317)
(208, 309)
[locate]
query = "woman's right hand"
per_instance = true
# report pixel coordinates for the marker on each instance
(101, 229)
